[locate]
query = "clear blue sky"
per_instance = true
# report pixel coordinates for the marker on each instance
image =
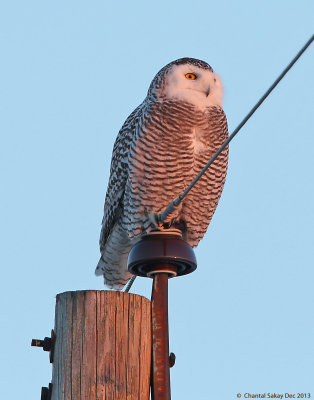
(71, 72)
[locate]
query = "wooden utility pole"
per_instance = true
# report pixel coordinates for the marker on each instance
(102, 349)
(110, 345)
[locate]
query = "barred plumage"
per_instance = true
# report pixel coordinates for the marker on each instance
(160, 148)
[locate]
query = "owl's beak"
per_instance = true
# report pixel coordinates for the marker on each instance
(207, 92)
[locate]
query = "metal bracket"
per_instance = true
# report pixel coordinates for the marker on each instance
(48, 344)
(46, 392)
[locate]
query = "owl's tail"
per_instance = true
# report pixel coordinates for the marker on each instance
(100, 267)
(115, 278)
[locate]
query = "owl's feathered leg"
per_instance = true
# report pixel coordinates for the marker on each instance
(172, 222)
(167, 222)
(153, 218)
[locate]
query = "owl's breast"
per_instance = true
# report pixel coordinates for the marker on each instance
(174, 138)
(173, 143)
(199, 141)
(174, 130)
(191, 132)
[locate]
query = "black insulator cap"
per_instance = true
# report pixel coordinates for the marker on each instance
(159, 248)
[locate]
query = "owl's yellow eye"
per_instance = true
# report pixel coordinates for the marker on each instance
(190, 76)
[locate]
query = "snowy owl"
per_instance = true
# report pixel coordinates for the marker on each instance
(160, 148)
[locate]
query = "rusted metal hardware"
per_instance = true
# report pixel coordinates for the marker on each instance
(48, 344)
(161, 255)
(160, 342)
(45, 344)
(46, 392)
(172, 359)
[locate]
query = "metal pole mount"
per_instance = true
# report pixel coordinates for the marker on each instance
(161, 255)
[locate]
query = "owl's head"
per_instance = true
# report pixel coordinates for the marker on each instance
(190, 80)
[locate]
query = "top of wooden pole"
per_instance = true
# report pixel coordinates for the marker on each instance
(103, 346)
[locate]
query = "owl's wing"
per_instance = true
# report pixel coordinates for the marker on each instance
(119, 172)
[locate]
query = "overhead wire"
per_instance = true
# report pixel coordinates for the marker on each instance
(162, 217)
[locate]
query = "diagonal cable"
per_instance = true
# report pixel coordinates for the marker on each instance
(172, 206)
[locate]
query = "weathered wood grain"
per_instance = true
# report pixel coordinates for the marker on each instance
(103, 346)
